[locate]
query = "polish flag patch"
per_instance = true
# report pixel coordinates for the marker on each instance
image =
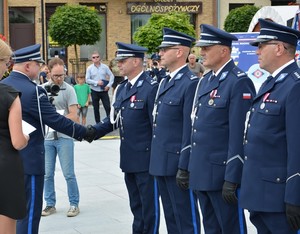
(246, 95)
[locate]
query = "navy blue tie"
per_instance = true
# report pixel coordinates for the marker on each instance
(128, 86)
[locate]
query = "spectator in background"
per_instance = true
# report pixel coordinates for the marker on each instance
(157, 72)
(12, 196)
(44, 72)
(61, 145)
(96, 77)
(194, 66)
(83, 93)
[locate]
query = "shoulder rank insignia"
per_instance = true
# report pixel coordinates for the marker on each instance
(193, 77)
(238, 72)
(297, 75)
(152, 82)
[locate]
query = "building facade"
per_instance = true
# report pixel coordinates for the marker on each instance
(25, 22)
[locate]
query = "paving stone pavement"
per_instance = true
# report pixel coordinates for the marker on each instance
(104, 205)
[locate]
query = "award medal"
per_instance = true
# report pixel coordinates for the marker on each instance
(213, 95)
(132, 100)
(263, 104)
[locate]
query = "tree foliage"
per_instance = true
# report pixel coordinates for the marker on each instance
(239, 19)
(75, 25)
(150, 35)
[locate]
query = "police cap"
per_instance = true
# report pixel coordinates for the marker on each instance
(29, 53)
(173, 38)
(129, 51)
(273, 31)
(214, 36)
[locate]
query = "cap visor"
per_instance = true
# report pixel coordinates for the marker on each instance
(40, 61)
(167, 45)
(204, 44)
(121, 58)
(259, 40)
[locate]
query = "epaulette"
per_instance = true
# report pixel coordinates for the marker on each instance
(193, 77)
(296, 75)
(238, 72)
(150, 80)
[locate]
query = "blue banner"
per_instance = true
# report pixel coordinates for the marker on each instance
(245, 58)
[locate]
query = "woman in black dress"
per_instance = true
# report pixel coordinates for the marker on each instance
(12, 139)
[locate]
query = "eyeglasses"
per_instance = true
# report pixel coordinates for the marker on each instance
(262, 44)
(95, 57)
(56, 77)
(164, 50)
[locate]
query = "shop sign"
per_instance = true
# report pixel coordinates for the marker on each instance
(163, 6)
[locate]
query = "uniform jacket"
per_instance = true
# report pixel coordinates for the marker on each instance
(135, 123)
(217, 134)
(34, 154)
(271, 174)
(172, 123)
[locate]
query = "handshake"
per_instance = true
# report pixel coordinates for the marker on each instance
(90, 134)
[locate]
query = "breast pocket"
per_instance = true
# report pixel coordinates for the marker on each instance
(172, 102)
(271, 109)
(137, 105)
(172, 107)
(217, 103)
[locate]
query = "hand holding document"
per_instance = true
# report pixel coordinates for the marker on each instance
(27, 128)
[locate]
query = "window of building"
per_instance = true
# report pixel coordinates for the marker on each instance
(101, 45)
(138, 21)
(21, 26)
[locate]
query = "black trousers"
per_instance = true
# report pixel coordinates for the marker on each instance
(96, 97)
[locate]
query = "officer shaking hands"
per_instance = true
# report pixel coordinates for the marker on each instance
(37, 111)
(221, 101)
(271, 175)
(131, 112)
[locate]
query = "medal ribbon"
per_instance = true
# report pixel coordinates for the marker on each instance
(266, 97)
(132, 99)
(213, 94)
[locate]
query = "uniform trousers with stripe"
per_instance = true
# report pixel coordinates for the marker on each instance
(218, 216)
(144, 202)
(180, 207)
(34, 185)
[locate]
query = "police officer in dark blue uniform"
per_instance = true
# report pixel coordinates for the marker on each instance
(172, 131)
(132, 113)
(270, 180)
(221, 102)
(37, 111)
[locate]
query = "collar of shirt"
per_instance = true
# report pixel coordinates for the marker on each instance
(172, 74)
(218, 72)
(276, 72)
(132, 81)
